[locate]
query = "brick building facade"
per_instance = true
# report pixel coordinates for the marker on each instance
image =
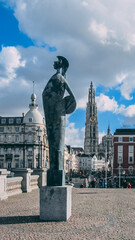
(124, 151)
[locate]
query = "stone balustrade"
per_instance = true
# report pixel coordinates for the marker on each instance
(34, 182)
(14, 186)
(22, 182)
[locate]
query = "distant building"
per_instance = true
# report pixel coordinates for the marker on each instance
(124, 151)
(91, 125)
(23, 140)
(104, 150)
(71, 163)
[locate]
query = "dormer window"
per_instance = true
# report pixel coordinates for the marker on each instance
(30, 120)
(18, 120)
(3, 120)
(11, 120)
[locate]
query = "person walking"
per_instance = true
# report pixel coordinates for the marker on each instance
(129, 185)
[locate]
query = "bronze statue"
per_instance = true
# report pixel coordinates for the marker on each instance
(56, 106)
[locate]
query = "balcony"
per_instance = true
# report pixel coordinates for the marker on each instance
(9, 156)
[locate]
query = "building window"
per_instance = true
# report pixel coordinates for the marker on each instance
(9, 151)
(29, 138)
(9, 165)
(17, 164)
(30, 120)
(30, 129)
(9, 129)
(131, 139)
(120, 149)
(1, 129)
(9, 138)
(130, 170)
(119, 139)
(17, 129)
(17, 151)
(3, 120)
(1, 138)
(16, 138)
(1, 151)
(120, 158)
(18, 120)
(29, 164)
(11, 120)
(30, 152)
(1, 164)
(130, 149)
(130, 160)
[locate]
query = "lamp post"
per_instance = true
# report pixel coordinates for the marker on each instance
(39, 131)
(119, 175)
(68, 162)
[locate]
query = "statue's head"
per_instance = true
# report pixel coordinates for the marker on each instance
(61, 63)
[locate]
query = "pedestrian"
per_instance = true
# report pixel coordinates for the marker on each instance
(129, 185)
(93, 183)
(125, 184)
(81, 186)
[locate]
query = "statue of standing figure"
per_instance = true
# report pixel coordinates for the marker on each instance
(56, 106)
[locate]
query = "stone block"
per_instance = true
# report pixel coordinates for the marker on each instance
(3, 183)
(55, 203)
(42, 172)
(26, 174)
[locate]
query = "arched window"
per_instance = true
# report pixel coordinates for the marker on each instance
(130, 170)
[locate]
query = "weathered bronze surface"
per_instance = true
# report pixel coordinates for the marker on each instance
(56, 106)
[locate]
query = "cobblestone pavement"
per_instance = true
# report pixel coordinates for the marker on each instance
(97, 214)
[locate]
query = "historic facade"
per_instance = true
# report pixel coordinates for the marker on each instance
(124, 151)
(91, 125)
(23, 140)
(104, 150)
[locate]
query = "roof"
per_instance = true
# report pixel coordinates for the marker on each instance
(33, 116)
(125, 131)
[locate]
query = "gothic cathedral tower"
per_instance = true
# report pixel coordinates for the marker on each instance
(91, 125)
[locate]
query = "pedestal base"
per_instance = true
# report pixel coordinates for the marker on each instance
(55, 203)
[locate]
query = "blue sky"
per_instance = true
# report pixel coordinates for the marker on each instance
(98, 39)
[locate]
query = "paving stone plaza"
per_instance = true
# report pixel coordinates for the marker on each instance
(97, 214)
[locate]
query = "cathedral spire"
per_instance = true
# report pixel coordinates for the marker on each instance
(91, 126)
(108, 130)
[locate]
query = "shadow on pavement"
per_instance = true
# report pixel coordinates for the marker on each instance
(19, 219)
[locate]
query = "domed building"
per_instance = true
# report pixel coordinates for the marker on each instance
(23, 140)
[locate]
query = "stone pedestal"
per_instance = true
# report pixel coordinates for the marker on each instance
(55, 203)
(42, 172)
(26, 174)
(3, 183)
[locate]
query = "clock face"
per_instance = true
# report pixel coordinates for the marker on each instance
(92, 119)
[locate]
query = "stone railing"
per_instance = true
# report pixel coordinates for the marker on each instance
(22, 182)
(14, 186)
(34, 182)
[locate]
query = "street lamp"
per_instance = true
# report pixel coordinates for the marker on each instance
(119, 175)
(68, 162)
(39, 131)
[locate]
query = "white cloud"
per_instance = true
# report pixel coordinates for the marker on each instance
(10, 60)
(104, 103)
(81, 103)
(74, 136)
(101, 31)
(101, 134)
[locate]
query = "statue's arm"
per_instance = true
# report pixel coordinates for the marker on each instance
(69, 100)
(69, 90)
